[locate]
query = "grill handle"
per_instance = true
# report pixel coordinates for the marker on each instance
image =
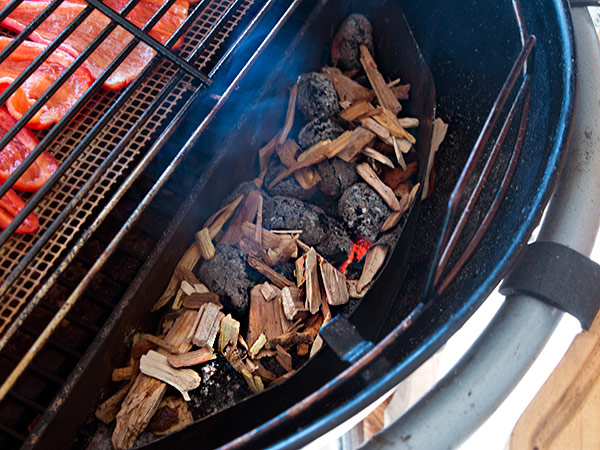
(461, 402)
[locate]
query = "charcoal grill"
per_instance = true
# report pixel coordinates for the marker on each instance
(143, 127)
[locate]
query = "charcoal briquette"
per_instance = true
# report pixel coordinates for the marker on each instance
(318, 130)
(316, 96)
(363, 211)
(345, 48)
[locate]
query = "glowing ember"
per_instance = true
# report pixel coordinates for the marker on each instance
(359, 248)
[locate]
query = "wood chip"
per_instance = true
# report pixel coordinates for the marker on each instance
(398, 153)
(401, 92)
(287, 249)
(196, 300)
(254, 382)
(274, 277)
(352, 289)
(159, 342)
(334, 283)
(177, 414)
(288, 152)
(121, 373)
(380, 131)
(361, 138)
(146, 392)
(258, 228)
(408, 122)
(208, 325)
(289, 117)
(216, 222)
(229, 332)
(313, 288)
(268, 292)
(316, 346)
(405, 203)
(347, 89)
(283, 358)
(383, 92)
(108, 409)
(265, 317)
(291, 339)
(300, 272)
(188, 261)
(367, 174)
(266, 152)
(156, 366)
(398, 175)
(379, 157)
(257, 346)
(190, 359)
(246, 213)
(270, 239)
(373, 262)
(389, 121)
(439, 134)
(293, 307)
(356, 110)
(140, 347)
(205, 244)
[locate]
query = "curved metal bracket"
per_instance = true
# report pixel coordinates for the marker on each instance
(559, 276)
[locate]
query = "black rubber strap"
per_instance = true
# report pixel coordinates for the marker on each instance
(559, 276)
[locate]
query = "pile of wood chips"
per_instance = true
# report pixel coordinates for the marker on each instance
(285, 315)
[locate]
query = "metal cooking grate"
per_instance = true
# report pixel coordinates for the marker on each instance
(27, 284)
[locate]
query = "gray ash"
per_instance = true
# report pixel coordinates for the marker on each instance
(345, 48)
(229, 276)
(286, 269)
(318, 130)
(336, 176)
(316, 96)
(288, 186)
(221, 388)
(363, 211)
(328, 237)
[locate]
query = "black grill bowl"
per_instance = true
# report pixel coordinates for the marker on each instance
(470, 48)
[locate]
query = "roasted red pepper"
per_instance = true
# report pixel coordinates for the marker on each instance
(93, 25)
(10, 205)
(17, 150)
(38, 82)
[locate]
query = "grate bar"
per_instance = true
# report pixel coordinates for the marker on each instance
(12, 433)
(24, 262)
(20, 398)
(32, 203)
(76, 294)
(149, 40)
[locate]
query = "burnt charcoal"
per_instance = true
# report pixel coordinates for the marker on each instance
(337, 246)
(327, 203)
(318, 130)
(229, 276)
(221, 387)
(345, 48)
(288, 187)
(336, 176)
(286, 269)
(316, 96)
(363, 211)
(287, 213)
(101, 438)
(271, 364)
(324, 233)
(242, 189)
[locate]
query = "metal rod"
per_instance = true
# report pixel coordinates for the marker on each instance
(493, 209)
(149, 40)
(484, 136)
(466, 213)
(57, 319)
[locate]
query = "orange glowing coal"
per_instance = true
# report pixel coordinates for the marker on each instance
(359, 248)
